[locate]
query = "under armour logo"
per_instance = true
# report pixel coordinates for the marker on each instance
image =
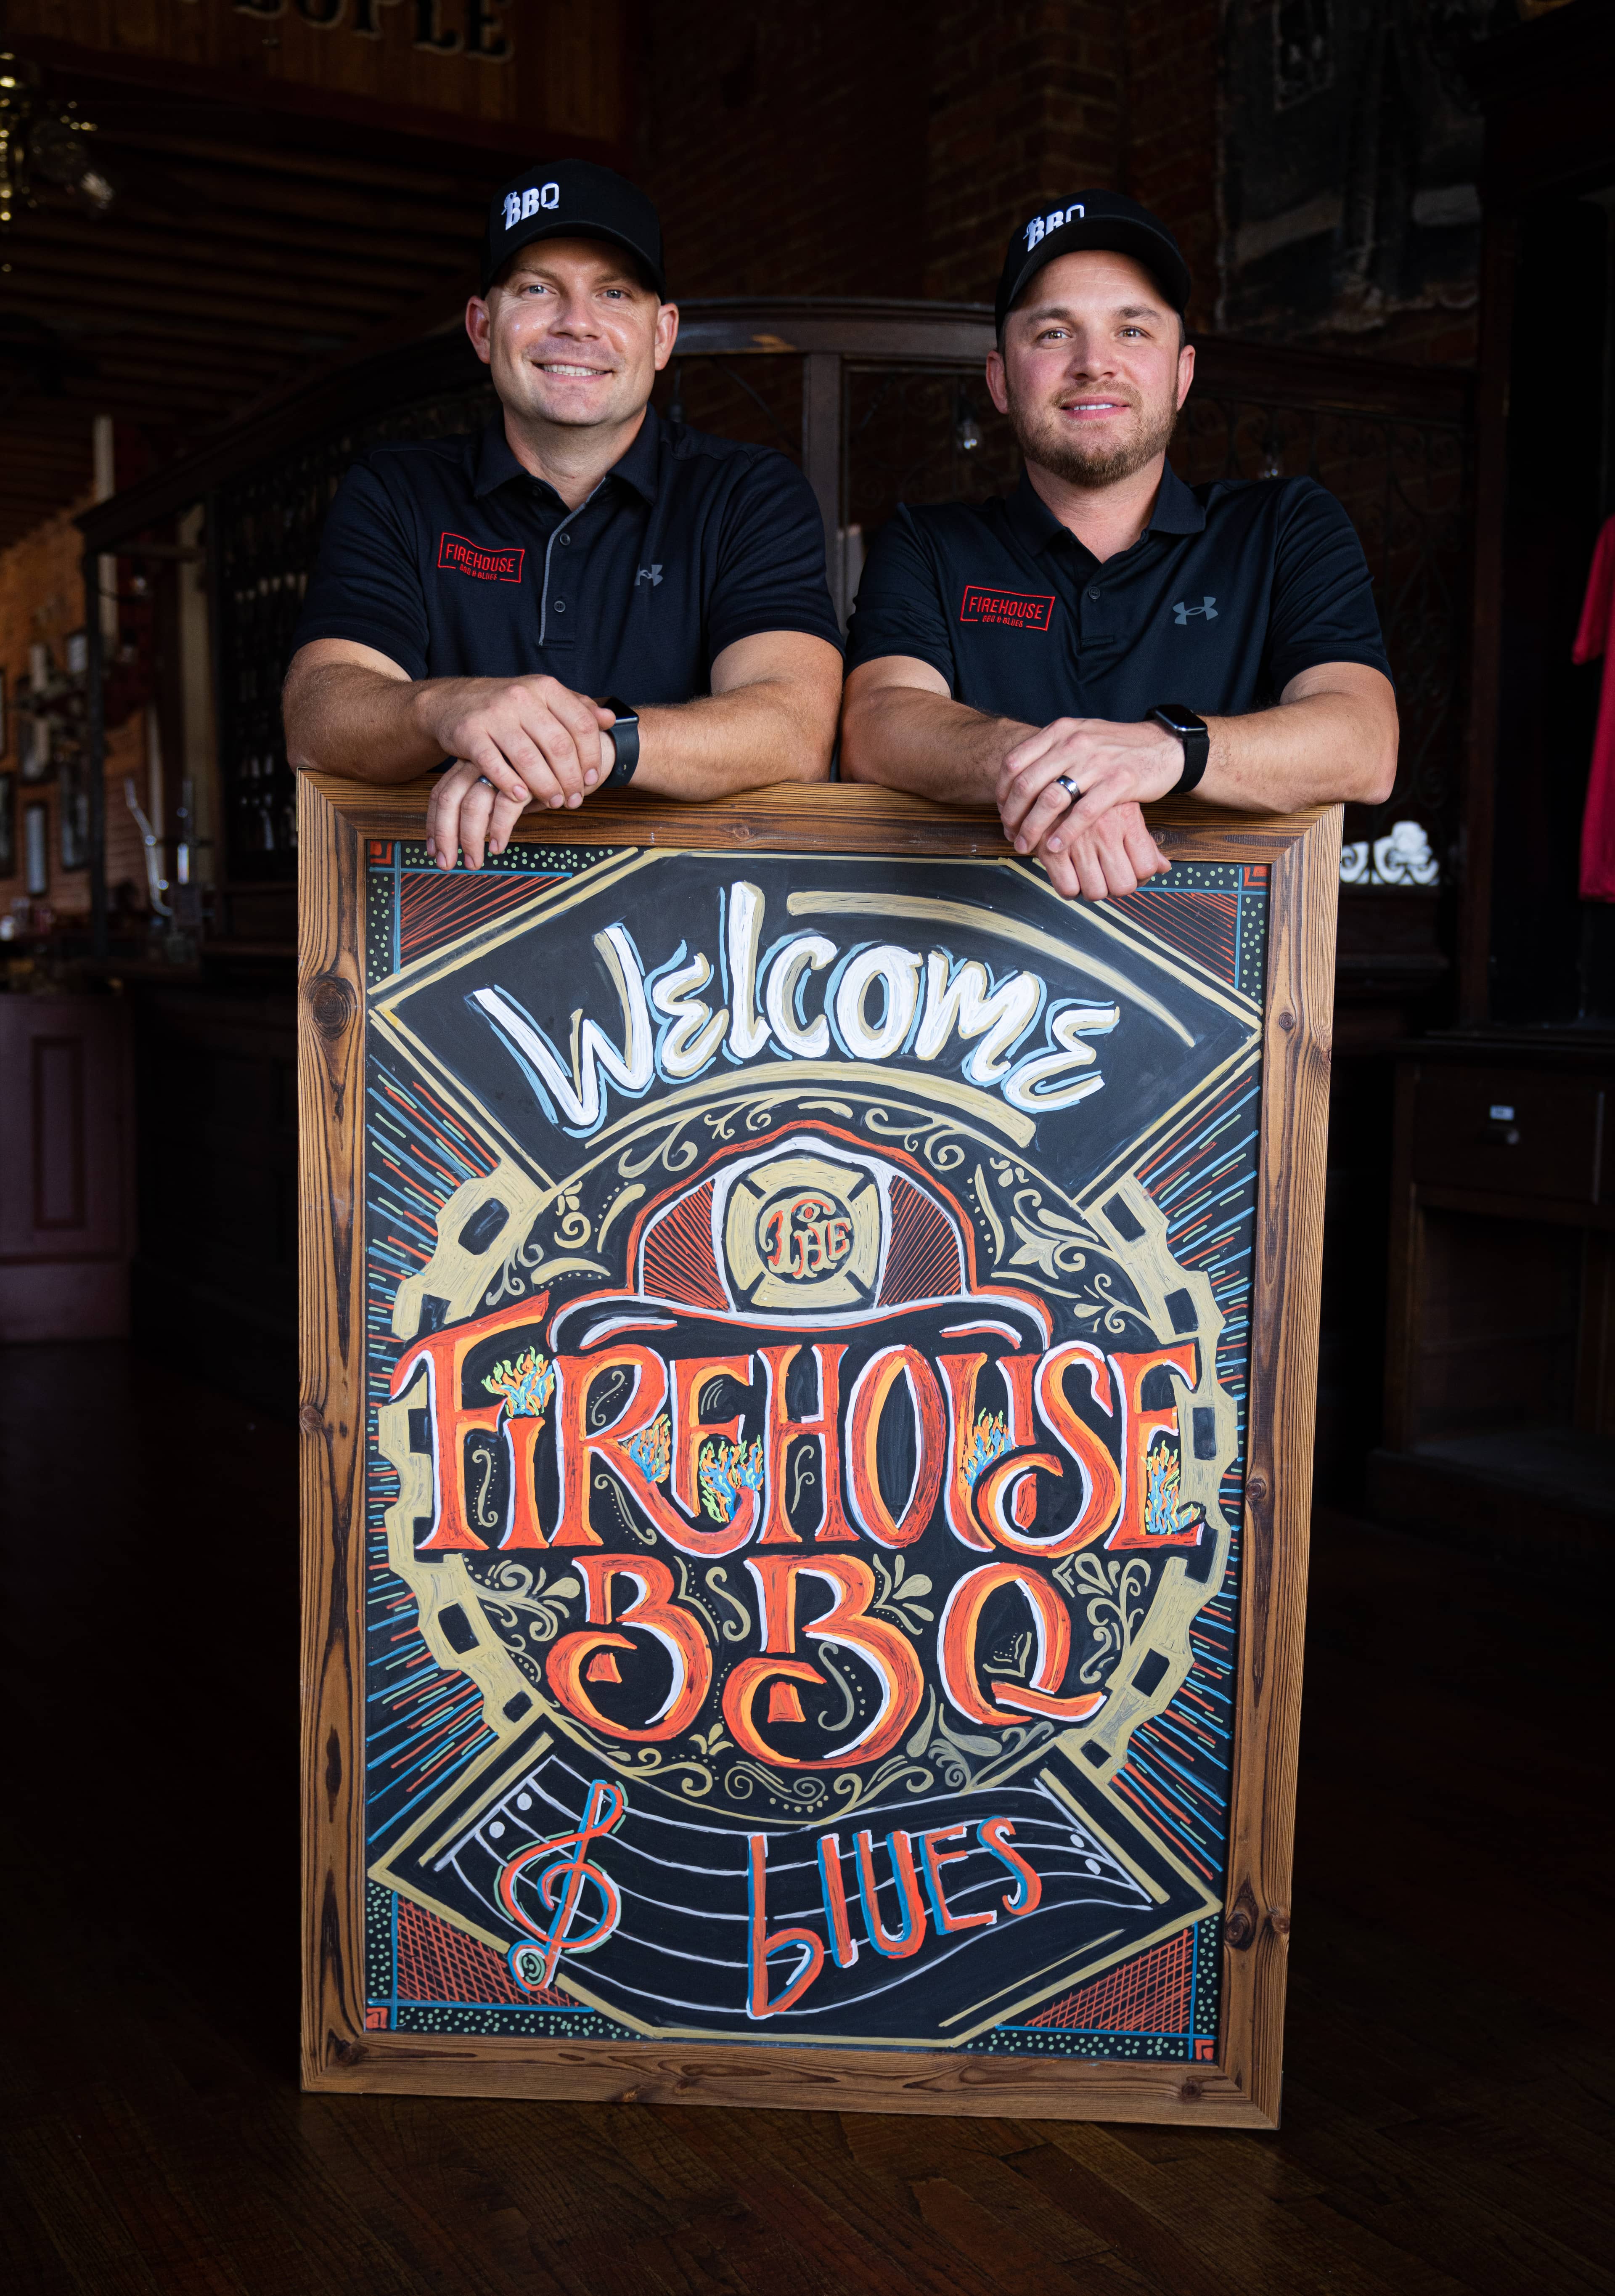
(651, 574)
(1181, 613)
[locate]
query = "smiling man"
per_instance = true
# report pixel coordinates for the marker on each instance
(1107, 636)
(490, 600)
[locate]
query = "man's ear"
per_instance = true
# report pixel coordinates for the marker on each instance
(479, 327)
(667, 334)
(997, 381)
(1185, 372)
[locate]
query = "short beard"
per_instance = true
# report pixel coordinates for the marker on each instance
(1068, 456)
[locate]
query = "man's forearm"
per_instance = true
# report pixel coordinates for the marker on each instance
(360, 723)
(1321, 749)
(771, 730)
(907, 739)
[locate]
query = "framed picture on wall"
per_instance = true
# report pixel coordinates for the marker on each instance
(8, 824)
(36, 850)
(34, 747)
(74, 813)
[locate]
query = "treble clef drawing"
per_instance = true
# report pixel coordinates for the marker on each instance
(563, 1868)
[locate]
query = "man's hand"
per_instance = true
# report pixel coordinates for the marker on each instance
(1071, 793)
(351, 711)
(1114, 854)
(770, 716)
(1332, 740)
(517, 742)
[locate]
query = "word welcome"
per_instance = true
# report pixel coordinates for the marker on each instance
(880, 1002)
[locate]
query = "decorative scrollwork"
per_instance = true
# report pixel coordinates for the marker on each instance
(734, 1629)
(1117, 1604)
(523, 1599)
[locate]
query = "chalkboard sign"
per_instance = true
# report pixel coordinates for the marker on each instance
(808, 1374)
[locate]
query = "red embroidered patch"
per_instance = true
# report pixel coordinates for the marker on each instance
(1006, 610)
(457, 555)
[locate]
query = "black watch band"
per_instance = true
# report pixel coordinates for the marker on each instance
(1195, 735)
(625, 741)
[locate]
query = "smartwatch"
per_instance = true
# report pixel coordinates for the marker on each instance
(1194, 735)
(625, 741)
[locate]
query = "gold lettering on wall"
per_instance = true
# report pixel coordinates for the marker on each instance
(557, 64)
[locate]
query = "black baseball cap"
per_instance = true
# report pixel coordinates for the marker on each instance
(1094, 220)
(573, 199)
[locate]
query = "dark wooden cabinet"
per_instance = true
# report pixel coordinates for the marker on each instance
(215, 1278)
(65, 1167)
(1500, 1346)
(1512, 1133)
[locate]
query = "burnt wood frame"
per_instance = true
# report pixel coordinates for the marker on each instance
(1242, 2088)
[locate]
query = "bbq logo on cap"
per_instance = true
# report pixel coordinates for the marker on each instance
(535, 199)
(573, 199)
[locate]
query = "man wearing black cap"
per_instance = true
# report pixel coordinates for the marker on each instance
(1107, 636)
(583, 594)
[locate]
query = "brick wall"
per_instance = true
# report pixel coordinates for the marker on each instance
(870, 149)
(1170, 161)
(882, 147)
(1025, 104)
(786, 147)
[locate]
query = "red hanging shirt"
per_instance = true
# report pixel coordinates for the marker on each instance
(1595, 636)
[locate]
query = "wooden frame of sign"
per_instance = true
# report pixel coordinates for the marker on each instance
(941, 1257)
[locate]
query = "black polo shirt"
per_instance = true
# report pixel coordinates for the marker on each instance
(1232, 588)
(453, 560)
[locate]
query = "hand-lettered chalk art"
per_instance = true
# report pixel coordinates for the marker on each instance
(809, 1315)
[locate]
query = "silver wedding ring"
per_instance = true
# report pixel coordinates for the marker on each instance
(1068, 786)
(485, 783)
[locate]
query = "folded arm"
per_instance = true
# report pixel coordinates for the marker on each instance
(1332, 738)
(529, 740)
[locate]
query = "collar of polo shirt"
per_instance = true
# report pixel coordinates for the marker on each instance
(1034, 525)
(497, 466)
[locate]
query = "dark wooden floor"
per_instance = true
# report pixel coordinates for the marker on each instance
(1451, 2046)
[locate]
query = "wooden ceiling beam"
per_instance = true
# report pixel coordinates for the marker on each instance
(291, 239)
(48, 476)
(337, 207)
(224, 372)
(130, 286)
(47, 486)
(132, 282)
(214, 244)
(168, 319)
(29, 506)
(135, 396)
(280, 160)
